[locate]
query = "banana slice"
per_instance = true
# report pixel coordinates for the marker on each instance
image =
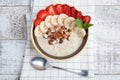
(54, 20)
(43, 27)
(48, 21)
(80, 32)
(37, 31)
(72, 25)
(61, 18)
(68, 21)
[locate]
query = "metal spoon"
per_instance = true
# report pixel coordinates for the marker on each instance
(41, 63)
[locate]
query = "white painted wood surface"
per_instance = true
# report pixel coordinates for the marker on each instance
(107, 54)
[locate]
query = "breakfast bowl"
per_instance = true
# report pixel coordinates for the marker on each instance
(55, 33)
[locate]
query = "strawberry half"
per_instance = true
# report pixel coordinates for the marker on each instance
(79, 15)
(73, 12)
(66, 9)
(42, 14)
(52, 10)
(86, 19)
(59, 8)
(37, 21)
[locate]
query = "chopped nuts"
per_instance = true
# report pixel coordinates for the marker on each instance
(45, 36)
(61, 41)
(57, 34)
(68, 38)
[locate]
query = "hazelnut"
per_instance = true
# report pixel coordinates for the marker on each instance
(68, 38)
(61, 41)
(49, 29)
(52, 41)
(67, 33)
(60, 30)
(64, 36)
(48, 32)
(63, 27)
(69, 30)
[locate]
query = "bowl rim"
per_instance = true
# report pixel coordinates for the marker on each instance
(49, 58)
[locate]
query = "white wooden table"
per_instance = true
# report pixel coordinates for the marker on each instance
(13, 38)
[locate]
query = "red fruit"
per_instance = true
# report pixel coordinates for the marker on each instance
(42, 14)
(52, 10)
(86, 19)
(37, 21)
(66, 9)
(59, 8)
(79, 15)
(73, 12)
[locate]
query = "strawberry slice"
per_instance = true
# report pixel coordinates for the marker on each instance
(59, 8)
(66, 9)
(52, 10)
(42, 14)
(79, 15)
(86, 19)
(37, 21)
(73, 12)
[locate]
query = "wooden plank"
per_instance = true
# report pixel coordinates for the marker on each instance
(107, 39)
(106, 2)
(9, 77)
(107, 77)
(13, 22)
(11, 56)
(13, 2)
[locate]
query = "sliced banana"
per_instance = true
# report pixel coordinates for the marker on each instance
(37, 31)
(54, 20)
(68, 21)
(48, 21)
(61, 18)
(80, 32)
(72, 25)
(43, 27)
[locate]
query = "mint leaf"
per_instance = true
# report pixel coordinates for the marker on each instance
(86, 26)
(79, 23)
(89, 25)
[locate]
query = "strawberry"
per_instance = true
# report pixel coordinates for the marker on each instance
(86, 19)
(42, 14)
(59, 8)
(79, 15)
(66, 9)
(73, 12)
(37, 21)
(52, 10)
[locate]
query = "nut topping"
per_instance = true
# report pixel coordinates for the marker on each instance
(57, 34)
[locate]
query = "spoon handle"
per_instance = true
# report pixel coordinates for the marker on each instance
(83, 73)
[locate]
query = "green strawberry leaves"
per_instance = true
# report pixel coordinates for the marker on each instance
(80, 24)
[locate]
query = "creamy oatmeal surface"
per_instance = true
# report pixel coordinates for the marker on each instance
(64, 49)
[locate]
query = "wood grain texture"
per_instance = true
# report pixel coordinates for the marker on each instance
(107, 30)
(11, 56)
(107, 77)
(13, 22)
(9, 77)
(106, 2)
(14, 2)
